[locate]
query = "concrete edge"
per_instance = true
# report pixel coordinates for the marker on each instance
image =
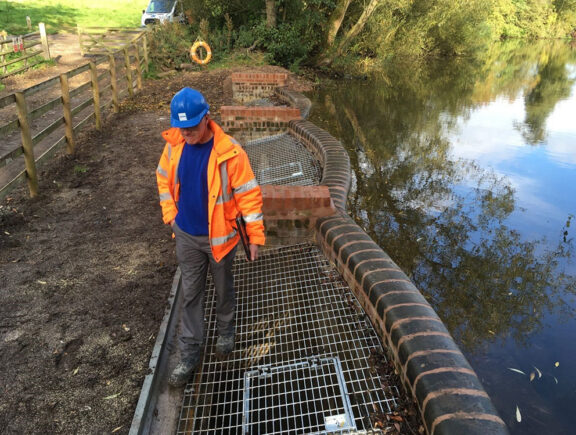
(158, 365)
(450, 397)
(294, 99)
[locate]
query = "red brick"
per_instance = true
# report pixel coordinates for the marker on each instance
(298, 203)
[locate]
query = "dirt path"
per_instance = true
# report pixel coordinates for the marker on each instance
(64, 51)
(85, 270)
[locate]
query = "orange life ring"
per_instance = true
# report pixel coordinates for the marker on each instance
(194, 52)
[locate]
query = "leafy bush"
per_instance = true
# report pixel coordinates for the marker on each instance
(284, 44)
(170, 45)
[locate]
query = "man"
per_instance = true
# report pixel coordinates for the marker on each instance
(205, 181)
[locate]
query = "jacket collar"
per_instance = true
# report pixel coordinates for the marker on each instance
(223, 144)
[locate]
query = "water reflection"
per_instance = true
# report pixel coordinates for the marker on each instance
(552, 84)
(453, 223)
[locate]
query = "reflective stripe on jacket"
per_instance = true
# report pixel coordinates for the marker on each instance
(232, 189)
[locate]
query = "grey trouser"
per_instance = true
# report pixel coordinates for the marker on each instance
(194, 255)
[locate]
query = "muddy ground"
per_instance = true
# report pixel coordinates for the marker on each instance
(85, 272)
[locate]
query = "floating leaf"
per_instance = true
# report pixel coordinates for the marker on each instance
(518, 415)
(517, 371)
(538, 371)
(532, 376)
(556, 363)
(113, 396)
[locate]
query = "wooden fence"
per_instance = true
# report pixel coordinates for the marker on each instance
(106, 40)
(83, 94)
(23, 52)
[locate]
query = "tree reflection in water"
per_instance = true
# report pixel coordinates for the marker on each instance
(444, 220)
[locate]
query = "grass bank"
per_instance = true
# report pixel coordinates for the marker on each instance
(66, 14)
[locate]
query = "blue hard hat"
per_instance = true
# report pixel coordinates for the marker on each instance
(187, 108)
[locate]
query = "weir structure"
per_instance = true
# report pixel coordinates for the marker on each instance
(318, 315)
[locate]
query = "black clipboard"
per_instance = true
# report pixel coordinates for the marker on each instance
(241, 225)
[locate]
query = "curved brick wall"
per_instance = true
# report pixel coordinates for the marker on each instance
(448, 392)
(332, 157)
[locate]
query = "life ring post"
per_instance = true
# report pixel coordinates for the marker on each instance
(194, 52)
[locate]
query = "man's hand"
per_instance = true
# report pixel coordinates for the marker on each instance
(253, 252)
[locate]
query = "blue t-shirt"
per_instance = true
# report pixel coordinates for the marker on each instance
(192, 214)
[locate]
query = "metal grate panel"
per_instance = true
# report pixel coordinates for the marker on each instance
(281, 159)
(291, 306)
(307, 397)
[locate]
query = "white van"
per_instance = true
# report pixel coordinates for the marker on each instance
(161, 11)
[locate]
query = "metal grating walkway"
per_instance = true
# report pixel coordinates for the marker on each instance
(282, 160)
(302, 357)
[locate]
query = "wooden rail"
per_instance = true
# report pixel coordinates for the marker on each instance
(23, 52)
(84, 92)
(106, 40)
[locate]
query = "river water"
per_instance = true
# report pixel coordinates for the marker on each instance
(465, 174)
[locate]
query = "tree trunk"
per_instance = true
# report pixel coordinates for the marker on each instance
(330, 55)
(271, 13)
(335, 22)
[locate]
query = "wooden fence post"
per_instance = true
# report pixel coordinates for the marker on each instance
(67, 109)
(79, 31)
(128, 71)
(23, 51)
(3, 37)
(113, 83)
(96, 95)
(27, 144)
(145, 49)
(44, 38)
(138, 67)
(29, 23)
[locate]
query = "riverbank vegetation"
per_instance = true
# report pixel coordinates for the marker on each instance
(337, 32)
(348, 35)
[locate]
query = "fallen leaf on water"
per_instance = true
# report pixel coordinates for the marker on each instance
(517, 371)
(532, 376)
(556, 363)
(117, 429)
(538, 371)
(518, 416)
(112, 396)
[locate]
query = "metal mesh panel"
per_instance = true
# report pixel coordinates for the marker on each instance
(281, 159)
(306, 397)
(291, 306)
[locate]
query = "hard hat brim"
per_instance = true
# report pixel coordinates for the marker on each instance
(175, 122)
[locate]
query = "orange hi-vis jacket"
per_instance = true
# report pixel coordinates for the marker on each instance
(232, 189)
